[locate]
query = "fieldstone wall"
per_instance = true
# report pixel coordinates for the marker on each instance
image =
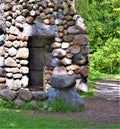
(56, 19)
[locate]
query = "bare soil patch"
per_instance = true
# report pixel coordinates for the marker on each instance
(97, 109)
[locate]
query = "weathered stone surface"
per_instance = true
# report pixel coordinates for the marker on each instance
(73, 30)
(23, 62)
(66, 61)
(8, 94)
(24, 81)
(69, 96)
(79, 59)
(8, 43)
(68, 38)
(51, 61)
(80, 39)
(2, 86)
(19, 102)
(84, 71)
(23, 53)
(12, 51)
(2, 79)
(62, 81)
(59, 70)
(10, 83)
(2, 39)
(25, 94)
(81, 85)
(24, 70)
(14, 30)
(17, 84)
(56, 45)
(10, 62)
(65, 45)
(75, 49)
(1, 61)
(40, 30)
(40, 95)
(59, 53)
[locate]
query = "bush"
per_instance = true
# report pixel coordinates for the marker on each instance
(107, 58)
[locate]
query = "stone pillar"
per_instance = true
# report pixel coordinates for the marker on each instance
(2, 41)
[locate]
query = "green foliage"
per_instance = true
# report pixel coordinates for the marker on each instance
(6, 104)
(107, 58)
(102, 18)
(61, 106)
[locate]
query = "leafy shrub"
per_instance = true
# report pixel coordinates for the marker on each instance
(107, 58)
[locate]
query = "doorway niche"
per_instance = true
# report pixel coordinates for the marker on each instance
(39, 47)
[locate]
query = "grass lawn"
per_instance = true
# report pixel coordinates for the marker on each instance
(16, 120)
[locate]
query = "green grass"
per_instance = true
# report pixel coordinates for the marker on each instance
(13, 120)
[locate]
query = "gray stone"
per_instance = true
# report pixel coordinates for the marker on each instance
(59, 70)
(40, 95)
(8, 94)
(79, 59)
(73, 30)
(62, 81)
(40, 30)
(25, 94)
(69, 96)
(2, 39)
(2, 72)
(59, 53)
(75, 49)
(51, 61)
(19, 102)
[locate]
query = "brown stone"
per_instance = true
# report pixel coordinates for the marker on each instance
(8, 44)
(68, 38)
(80, 39)
(68, 17)
(69, 55)
(74, 49)
(84, 71)
(29, 19)
(2, 86)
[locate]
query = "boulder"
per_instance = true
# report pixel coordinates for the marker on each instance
(39, 95)
(8, 94)
(62, 81)
(68, 95)
(25, 94)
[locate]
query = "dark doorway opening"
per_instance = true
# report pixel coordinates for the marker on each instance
(38, 48)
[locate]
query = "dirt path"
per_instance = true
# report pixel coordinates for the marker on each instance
(103, 109)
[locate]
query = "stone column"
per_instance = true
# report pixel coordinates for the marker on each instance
(2, 40)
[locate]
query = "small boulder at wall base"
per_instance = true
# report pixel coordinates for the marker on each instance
(68, 95)
(62, 81)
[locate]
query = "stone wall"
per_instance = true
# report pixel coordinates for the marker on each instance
(56, 19)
